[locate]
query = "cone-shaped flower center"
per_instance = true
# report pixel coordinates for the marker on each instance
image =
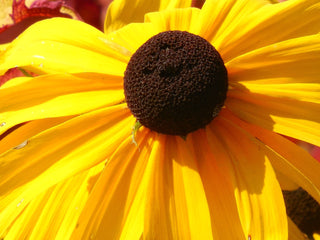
(175, 83)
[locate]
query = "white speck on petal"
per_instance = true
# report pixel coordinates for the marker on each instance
(116, 47)
(19, 203)
(3, 124)
(38, 56)
(21, 145)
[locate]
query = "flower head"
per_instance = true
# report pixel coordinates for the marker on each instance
(70, 166)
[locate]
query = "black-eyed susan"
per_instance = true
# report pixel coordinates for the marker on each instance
(207, 163)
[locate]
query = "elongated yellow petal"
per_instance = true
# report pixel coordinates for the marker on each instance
(115, 209)
(270, 24)
(306, 92)
(217, 175)
(289, 117)
(294, 232)
(44, 96)
(65, 151)
(123, 12)
(160, 217)
(316, 236)
(192, 210)
(171, 218)
(290, 160)
(218, 16)
(288, 62)
(177, 19)
(64, 45)
(26, 131)
(285, 182)
(3, 46)
(133, 35)
(258, 194)
(27, 215)
(54, 213)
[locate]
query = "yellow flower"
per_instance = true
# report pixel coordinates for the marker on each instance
(71, 167)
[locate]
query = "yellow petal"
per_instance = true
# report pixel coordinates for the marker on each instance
(133, 35)
(60, 152)
(53, 214)
(64, 45)
(288, 69)
(316, 236)
(182, 205)
(123, 12)
(258, 194)
(160, 221)
(291, 61)
(285, 182)
(192, 210)
(290, 117)
(218, 16)
(306, 92)
(26, 131)
(3, 46)
(270, 24)
(177, 19)
(59, 95)
(287, 159)
(116, 206)
(217, 175)
(294, 232)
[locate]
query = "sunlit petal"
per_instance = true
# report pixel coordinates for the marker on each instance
(64, 152)
(80, 93)
(179, 19)
(287, 159)
(123, 12)
(256, 186)
(270, 24)
(217, 17)
(63, 45)
(289, 117)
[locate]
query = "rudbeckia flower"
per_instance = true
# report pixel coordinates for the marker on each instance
(170, 125)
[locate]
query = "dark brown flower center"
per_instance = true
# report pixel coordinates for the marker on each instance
(175, 83)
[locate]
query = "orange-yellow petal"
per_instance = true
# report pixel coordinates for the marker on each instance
(160, 219)
(123, 12)
(316, 236)
(288, 62)
(257, 191)
(289, 159)
(290, 117)
(64, 95)
(65, 151)
(270, 24)
(53, 214)
(66, 46)
(20, 135)
(118, 200)
(294, 231)
(191, 204)
(217, 175)
(133, 35)
(178, 19)
(217, 17)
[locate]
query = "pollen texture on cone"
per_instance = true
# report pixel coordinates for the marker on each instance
(175, 83)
